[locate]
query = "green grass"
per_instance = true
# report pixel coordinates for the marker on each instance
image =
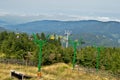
(58, 71)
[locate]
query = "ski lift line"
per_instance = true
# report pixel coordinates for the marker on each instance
(65, 39)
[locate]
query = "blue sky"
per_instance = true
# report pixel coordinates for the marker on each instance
(63, 9)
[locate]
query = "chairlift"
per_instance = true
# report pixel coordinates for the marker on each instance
(52, 37)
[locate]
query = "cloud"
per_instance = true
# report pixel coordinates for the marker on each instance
(99, 18)
(60, 16)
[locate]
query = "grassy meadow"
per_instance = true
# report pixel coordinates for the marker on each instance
(58, 71)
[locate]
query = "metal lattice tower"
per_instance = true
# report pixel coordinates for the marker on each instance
(67, 33)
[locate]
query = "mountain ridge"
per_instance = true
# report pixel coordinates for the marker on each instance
(70, 25)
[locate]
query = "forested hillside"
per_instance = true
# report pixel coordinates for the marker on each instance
(22, 46)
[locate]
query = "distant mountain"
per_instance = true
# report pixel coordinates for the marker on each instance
(107, 33)
(2, 23)
(2, 29)
(84, 26)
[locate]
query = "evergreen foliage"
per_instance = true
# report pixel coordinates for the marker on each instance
(24, 48)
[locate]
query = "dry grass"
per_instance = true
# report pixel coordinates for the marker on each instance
(59, 71)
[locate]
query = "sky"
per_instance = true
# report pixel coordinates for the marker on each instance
(62, 9)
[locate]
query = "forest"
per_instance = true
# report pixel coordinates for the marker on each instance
(22, 46)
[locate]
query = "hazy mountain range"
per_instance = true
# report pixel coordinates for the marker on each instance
(92, 31)
(83, 26)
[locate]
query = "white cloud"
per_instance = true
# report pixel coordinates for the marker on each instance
(60, 16)
(99, 18)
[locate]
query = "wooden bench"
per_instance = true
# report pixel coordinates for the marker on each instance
(19, 75)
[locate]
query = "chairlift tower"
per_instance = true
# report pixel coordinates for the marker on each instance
(67, 33)
(99, 49)
(74, 44)
(40, 43)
